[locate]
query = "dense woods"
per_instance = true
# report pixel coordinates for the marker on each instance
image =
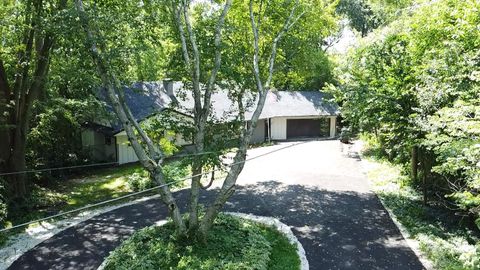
(414, 86)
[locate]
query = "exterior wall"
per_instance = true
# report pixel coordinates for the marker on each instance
(278, 131)
(95, 144)
(259, 132)
(87, 138)
(126, 154)
(333, 126)
(279, 126)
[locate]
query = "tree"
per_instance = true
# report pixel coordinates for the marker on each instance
(415, 86)
(24, 66)
(203, 84)
(359, 12)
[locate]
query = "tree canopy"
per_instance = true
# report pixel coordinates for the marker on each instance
(415, 84)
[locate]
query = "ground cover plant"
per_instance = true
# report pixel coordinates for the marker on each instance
(233, 243)
(446, 239)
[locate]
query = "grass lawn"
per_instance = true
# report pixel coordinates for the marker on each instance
(101, 185)
(233, 243)
(445, 239)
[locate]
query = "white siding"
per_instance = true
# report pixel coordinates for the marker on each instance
(126, 154)
(333, 126)
(279, 128)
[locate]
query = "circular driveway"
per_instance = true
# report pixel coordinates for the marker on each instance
(314, 187)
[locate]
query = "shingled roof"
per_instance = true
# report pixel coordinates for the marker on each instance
(148, 98)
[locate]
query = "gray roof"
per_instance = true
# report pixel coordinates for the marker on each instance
(149, 98)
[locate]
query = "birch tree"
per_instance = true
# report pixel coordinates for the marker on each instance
(192, 61)
(202, 75)
(149, 156)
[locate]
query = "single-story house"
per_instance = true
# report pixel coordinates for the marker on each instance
(287, 115)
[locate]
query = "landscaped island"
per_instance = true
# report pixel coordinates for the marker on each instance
(233, 243)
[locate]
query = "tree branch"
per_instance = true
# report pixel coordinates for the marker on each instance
(196, 60)
(218, 58)
(109, 83)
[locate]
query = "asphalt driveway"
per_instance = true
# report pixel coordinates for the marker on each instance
(314, 187)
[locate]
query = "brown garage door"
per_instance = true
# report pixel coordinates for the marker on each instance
(307, 128)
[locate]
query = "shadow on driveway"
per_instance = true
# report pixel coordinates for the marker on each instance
(339, 230)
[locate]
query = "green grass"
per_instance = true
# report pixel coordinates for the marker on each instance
(283, 255)
(441, 235)
(233, 243)
(101, 185)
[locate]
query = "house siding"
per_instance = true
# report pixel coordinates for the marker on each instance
(279, 128)
(95, 144)
(258, 135)
(126, 154)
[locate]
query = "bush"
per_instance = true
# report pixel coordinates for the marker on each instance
(346, 135)
(3, 210)
(233, 243)
(139, 181)
(174, 171)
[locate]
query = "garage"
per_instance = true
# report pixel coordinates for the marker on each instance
(308, 128)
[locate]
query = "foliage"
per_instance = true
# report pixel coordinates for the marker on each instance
(346, 135)
(415, 83)
(367, 15)
(233, 243)
(174, 172)
(445, 241)
(138, 181)
(3, 206)
(360, 14)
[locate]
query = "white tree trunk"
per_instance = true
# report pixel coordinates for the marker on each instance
(123, 113)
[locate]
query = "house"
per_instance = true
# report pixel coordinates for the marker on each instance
(287, 115)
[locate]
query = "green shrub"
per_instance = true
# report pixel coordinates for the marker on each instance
(139, 181)
(173, 171)
(233, 243)
(441, 238)
(3, 210)
(346, 135)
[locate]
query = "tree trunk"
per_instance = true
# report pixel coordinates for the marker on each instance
(17, 182)
(228, 187)
(414, 163)
(146, 158)
(227, 190)
(425, 165)
(194, 195)
(27, 87)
